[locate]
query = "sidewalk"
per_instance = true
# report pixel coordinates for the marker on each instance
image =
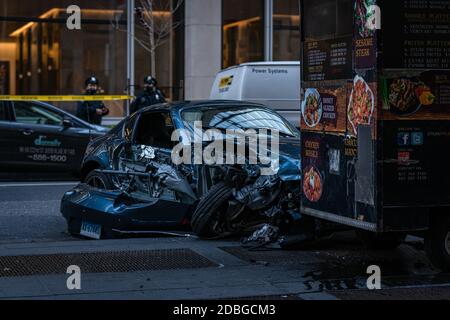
(173, 268)
(226, 277)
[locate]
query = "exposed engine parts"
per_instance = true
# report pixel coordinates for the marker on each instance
(146, 174)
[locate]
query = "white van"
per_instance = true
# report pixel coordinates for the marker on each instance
(274, 84)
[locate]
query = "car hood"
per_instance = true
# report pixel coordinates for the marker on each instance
(290, 164)
(288, 156)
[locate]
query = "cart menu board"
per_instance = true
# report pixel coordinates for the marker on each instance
(335, 101)
(323, 109)
(328, 33)
(328, 59)
(365, 40)
(415, 84)
(416, 34)
(416, 95)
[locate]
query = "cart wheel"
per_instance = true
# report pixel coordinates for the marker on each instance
(437, 243)
(99, 180)
(380, 241)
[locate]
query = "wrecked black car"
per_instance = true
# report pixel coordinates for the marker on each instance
(173, 167)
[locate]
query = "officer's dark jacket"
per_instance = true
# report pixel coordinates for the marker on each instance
(145, 99)
(86, 110)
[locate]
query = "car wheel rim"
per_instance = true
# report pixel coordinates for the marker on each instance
(447, 243)
(96, 182)
(219, 224)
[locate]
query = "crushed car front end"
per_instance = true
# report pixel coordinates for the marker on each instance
(134, 196)
(131, 184)
(110, 213)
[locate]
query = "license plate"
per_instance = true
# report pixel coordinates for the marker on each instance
(91, 230)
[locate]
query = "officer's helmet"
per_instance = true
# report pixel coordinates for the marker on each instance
(92, 81)
(150, 81)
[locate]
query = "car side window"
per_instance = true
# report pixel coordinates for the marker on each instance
(30, 113)
(2, 111)
(155, 129)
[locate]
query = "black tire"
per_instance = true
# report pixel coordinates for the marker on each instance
(207, 209)
(99, 180)
(437, 243)
(380, 241)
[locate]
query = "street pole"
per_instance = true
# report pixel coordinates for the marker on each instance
(130, 52)
(268, 30)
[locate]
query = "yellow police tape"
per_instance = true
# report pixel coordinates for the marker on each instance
(66, 98)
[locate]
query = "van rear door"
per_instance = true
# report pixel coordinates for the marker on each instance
(227, 85)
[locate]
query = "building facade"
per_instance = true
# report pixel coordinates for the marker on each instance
(184, 43)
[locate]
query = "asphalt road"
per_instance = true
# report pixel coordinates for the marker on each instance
(29, 212)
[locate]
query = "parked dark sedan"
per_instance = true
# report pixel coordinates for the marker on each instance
(133, 185)
(38, 137)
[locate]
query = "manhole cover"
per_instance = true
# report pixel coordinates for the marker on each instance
(103, 262)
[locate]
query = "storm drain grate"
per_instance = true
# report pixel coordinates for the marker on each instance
(103, 262)
(276, 256)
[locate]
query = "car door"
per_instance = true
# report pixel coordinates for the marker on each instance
(43, 142)
(154, 129)
(7, 153)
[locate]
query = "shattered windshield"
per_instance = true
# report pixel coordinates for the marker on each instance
(238, 118)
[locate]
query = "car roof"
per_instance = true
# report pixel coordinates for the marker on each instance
(184, 105)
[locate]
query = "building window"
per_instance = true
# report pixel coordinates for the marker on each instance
(242, 31)
(286, 30)
(40, 55)
(45, 57)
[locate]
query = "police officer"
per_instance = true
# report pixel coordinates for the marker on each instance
(149, 96)
(92, 111)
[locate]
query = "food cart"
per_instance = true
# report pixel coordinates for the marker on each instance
(376, 119)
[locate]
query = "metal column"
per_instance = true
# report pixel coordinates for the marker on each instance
(268, 30)
(130, 51)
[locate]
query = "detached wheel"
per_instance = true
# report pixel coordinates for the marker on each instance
(437, 244)
(380, 241)
(98, 180)
(206, 217)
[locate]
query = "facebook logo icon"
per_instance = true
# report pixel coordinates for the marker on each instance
(404, 139)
